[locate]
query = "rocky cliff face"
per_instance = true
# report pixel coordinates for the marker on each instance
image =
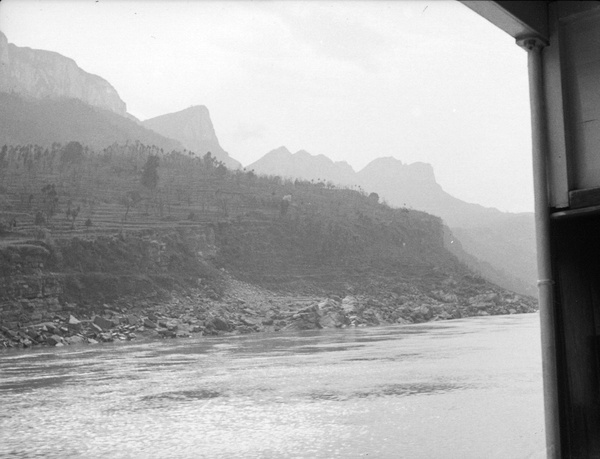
(193, 128)
(44, 74)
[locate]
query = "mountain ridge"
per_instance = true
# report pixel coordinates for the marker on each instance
(414, 186)
(41, 74)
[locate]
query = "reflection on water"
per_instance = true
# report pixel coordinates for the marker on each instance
(467, 389)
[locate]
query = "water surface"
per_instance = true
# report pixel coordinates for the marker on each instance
(467, 388)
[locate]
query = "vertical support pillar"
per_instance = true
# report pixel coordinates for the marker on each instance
(539, 128)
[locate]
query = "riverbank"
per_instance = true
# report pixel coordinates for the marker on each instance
(245, 308)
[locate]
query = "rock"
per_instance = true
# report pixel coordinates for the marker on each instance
(96, 328)
(76, 339)
(333, 320)
(349, 304)
(104, 324)
(132, 319)
(26, 68)
(54, 340)
(148, 323)
(166, 333)
(249, 321)
(219, 324)
(74, 324)
(106, 337)
(73, 320)
(402, 320)
(92, 341)
(329, 303)
(50, 327)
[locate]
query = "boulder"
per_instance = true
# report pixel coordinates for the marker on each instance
(74, 323)
(104, 324)
(73, 320)
(148, 323)
(54, 340)
(76, 339)
(132, 319)
(350, 304)
(333, 320)
(166, 333)
(249, 321)
(219, 324)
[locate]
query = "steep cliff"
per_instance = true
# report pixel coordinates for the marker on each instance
(194, 129)
(45, 74)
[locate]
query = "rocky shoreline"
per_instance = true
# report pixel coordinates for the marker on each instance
(245, 308)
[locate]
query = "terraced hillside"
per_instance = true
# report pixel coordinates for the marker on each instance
(84, 230)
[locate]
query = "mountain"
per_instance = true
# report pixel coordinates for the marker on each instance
(194, 129)
(505, 241)
(45, 121)
(220, 242)
(414, 185)
(45, 74)
(303, 165)
(497, 244)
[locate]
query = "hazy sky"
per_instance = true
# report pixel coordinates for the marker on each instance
(354, 80)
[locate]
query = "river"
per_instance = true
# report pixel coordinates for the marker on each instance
(468, 388)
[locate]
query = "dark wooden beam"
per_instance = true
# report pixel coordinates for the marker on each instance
(519, 19)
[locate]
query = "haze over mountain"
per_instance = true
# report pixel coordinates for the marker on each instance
(45, 97)
(504, 241)
(303, 165)
(193, 128)
(46, 74)
(48, 120)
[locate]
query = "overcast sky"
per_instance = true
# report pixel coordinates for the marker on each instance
(354, 80)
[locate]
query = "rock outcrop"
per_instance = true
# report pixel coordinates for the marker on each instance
(193, 128)
(45, 74)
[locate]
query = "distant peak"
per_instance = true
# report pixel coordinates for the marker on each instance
(387, 160)
(303, 154)
(197, 108)
(280, 151)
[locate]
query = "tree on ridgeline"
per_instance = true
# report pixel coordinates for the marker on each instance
(150, 173)
(374, 197)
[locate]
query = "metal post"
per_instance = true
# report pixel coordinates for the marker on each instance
(539, 128)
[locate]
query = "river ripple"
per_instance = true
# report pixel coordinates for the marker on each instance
(467, 388)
